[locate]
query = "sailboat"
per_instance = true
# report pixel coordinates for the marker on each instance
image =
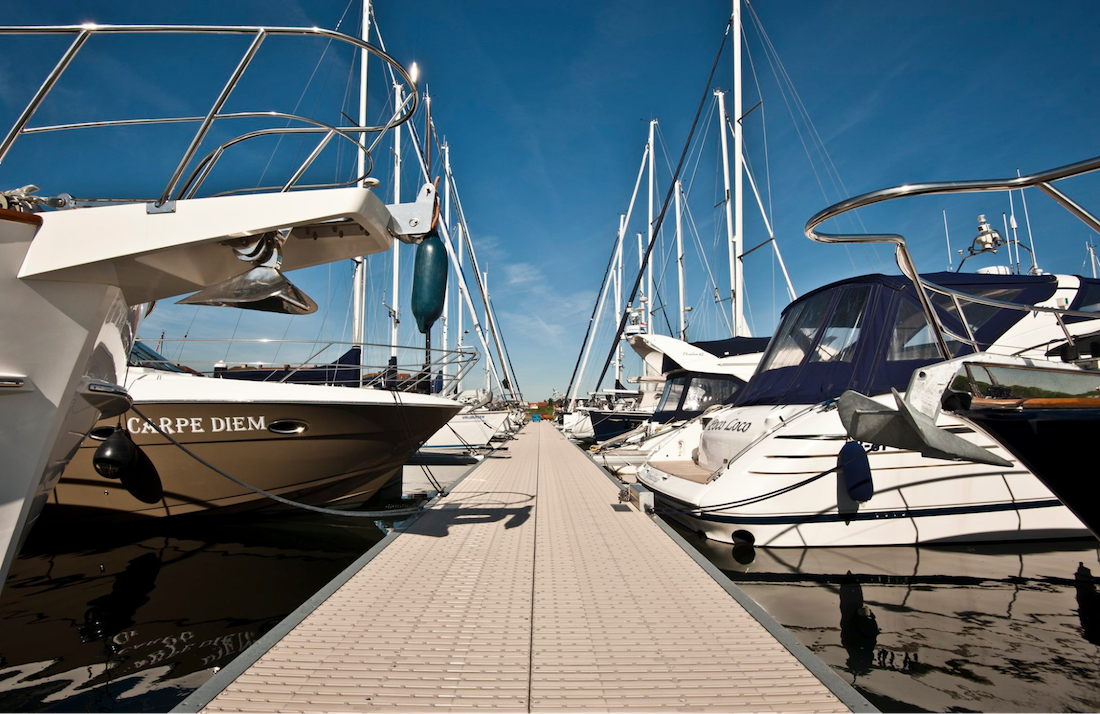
(608, 424)
(74, 266)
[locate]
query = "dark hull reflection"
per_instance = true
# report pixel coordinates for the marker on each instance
(994, 629)
(136, 619)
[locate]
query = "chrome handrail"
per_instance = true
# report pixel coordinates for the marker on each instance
(1043, 180)
(459, 361)
(259, 33)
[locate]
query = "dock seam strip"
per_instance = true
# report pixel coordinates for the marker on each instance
(534, 582)
(196, 700)
(844, 691)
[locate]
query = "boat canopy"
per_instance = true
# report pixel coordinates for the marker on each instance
(687, 394)
(869, 333)
(345, 372)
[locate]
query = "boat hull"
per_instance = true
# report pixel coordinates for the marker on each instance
(57, 335)
(781, 488)
(344, 452)
(609, 424)
(1049, 442)
(467, 430)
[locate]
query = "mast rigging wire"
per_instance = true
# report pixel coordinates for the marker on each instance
(668, 198)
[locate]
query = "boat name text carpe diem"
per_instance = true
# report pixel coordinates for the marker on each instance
(197, 425)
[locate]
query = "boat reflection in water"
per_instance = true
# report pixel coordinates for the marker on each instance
(956, 628)
(136, 620)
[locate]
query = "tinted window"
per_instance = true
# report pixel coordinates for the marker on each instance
(674, 387)
(912, 337)
(796, 333)
(841, 332)
(705, 391)
(976, 314)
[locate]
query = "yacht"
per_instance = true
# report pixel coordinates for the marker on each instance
(313, 444)
(779, 468)
(764, 469)
(73, 267)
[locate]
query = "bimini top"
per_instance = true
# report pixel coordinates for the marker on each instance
(869, 333)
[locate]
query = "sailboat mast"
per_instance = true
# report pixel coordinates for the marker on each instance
(461, 286)
(617, 282)
(394, 299)
(446, 221)
(738, 178)
(488, 357)
(731, 237)
(1030, 239)
(359, 280)
(680, 263)
(649, 239)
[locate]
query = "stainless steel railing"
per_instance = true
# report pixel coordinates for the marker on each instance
(1044, 180)
(177, 186)
(438, 370)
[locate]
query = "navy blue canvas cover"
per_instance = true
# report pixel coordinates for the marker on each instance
(344, 372)
(728, 347)
(874, 362)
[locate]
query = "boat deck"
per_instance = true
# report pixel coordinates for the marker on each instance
(530, 587)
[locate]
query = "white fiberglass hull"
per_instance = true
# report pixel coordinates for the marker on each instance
(467, 430)
(578, 425)
(625, 458)
(768, 493)
(57, 335)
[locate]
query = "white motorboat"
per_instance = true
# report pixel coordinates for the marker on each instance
(776, 468)
(697, 376)
(72, 267)
(762, 470)
(468, 430)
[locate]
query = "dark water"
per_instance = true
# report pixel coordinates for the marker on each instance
(135, 619)
(981, 628)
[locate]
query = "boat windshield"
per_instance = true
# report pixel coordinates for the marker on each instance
(869, 334)
(688, 394)
(142, 355)
(820, 330)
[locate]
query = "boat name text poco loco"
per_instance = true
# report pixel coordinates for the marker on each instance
(734, 425)
(196, 425)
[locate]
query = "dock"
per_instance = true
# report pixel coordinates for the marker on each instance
(529, 587)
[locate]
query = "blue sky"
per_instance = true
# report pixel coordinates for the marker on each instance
(546, 109)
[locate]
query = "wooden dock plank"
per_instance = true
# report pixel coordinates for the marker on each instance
(529, 588)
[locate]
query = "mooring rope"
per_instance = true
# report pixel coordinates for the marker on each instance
(756, 499)
(397, 512)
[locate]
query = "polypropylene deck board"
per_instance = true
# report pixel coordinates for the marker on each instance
(529, 588)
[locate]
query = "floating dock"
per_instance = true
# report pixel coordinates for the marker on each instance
(529, 587)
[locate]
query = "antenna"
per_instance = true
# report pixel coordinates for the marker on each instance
(950, 264)
(1027, 221)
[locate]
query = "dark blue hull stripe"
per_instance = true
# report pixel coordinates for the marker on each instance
(686, 509)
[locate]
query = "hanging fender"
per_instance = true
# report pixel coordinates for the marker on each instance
(429, 282)
(855, 472)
